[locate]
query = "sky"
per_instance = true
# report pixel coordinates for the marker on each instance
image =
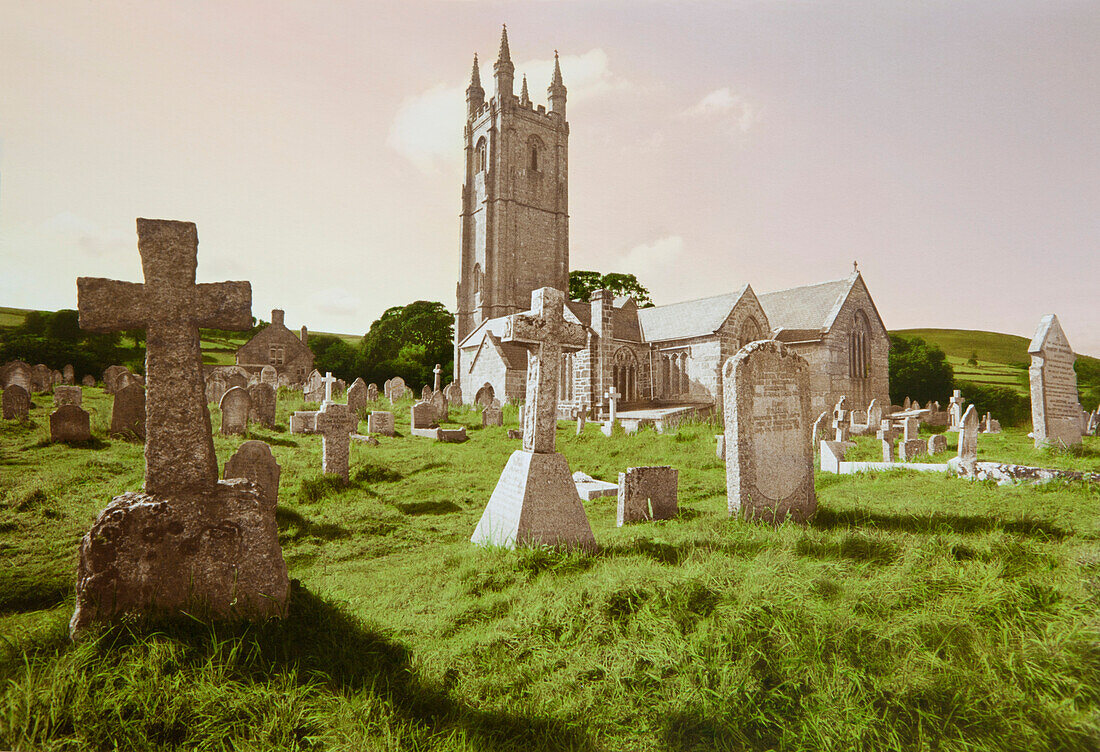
(952, 149)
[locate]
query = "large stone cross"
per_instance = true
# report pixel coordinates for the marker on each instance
(546, 334)
(170, 307)
(335, 424)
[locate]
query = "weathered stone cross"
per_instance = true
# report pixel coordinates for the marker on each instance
(328, 382)
(170, 307)
(613, 397)
(546, 334)
(438, 371)
(335, 424)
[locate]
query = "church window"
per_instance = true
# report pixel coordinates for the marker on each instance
(477, 278)
(534, 146)
(859, 347)
(479, 156)
(534, 159)
(750, 331)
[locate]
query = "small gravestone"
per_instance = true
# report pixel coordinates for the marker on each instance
(484, 395)
(515, 433)
(937, 443)
(582, 415)
(492, 416)
(372, 392)
(453, 393)
(769, 460)
(887, 435)
(990, 424)
(70, 423)
(269, 375)
(955, 410)
(911, 449)
(1055, 410)
(215, 387)
(88, 380)
(968, 440)
(589, 488)
(647, 493)
(67, 395)
(263, 405)
(395, 389)
(68, 375)
(236, 379)
(820, 430)
(905, 405)
(303, 421)
(16, 403)
(110, 378)
(357, 396)
(335, 423)
(426, 394)
(254, 461)
(235, 406)
(43, 378)
(440, 407)
(128, 412)
(313, 388)
(380, 421)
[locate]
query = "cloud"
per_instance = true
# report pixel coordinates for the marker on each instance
(724, 103)
(651, 259)
(427, 128)
(337, 301)
(86, 236)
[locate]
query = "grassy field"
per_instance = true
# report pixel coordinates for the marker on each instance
(915, 612)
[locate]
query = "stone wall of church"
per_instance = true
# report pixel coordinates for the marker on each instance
(490, 368)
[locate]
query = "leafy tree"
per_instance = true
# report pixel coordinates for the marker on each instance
(583, 283)
(408, 341)
(918, 370)
(334, 354)
(64, 325)
(1005, 404)
(973, 359)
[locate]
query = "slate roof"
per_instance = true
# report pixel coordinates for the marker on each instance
(692, 318)
(810, 308)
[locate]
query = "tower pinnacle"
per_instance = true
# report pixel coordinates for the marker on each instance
(556, 90)
(524, 97)
(504, 56)
(503, 70)
(475, 95)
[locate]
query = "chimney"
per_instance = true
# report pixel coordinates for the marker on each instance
(276, 316)
(305, 336)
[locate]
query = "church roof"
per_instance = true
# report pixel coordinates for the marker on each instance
(692, 318)
(810, 308)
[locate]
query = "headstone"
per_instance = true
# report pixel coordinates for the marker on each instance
(234, 378)
(16, 403)
(88, 381)
(303, 421)
(438, 372)
(1093, 428)
(440, 406)
(937, 443)
(874, 414)
(485, 395)
(380, 421)
(589, 488)
(269, 375)
(263, 406)
(254, 461)
(372, 392)
(535, 502)
(70, 423)
(820, 429)
(492, 416)
(335, 423)
(955, 409)
(612, 395)
(235, 406)
(395, 389)
(426, 394)
(188, 540)
(357, 396)
(328, 382)
(582, 416)
(215, 387)
(129, 416)
(887, 435)
(422, 415)
(515, 433)
(832, 454)
(968, 440)
(905, 405)
(453, 393)
(313, 388)
(990, 424)
(720, 446)
(647, 493)
(43, 378)
(68, 375)
(17, 372)
(911, 429)
(769, 460)
(110, 378)
(1055, 410)
(67, 395)
(910, 449)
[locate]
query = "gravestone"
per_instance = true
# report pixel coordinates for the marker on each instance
(88, 381)
(937, 443)
(263, 406)
(395, 389)
(955, 410)
(453, 393)
(887, 435)
(1093, 428)
(1055, 411)
(484, 395)
(911, 449)
(769, 460)
(990, 424)
(110, 378)
(438, 372)
(313, 388)
(303, 421)
(612, 396)
(235, 406)
(820, 430)
(380, 421)
(874, 414)
(16, 403)
(70, 423)
(535, 502)
(17, 372)
(269, 375)
(254, 461)
(215, 387)
(582, 416)
(647, 493)
(720, 446)
(128, 414)
(426, 394)
(440, 406)
(492, 416)
(189, 541)
(335, 423)
(515, 433)
(589, 488)
(357, 396)
(43, 378)
(68, 375)
(421, 415)
(235, 379)
(911, 429)
(372, 392)
(968, 440)
(328, 382)
(67, 395)
(905, 405)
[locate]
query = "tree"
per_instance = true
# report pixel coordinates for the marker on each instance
(918, 370)
(583, 283)
(334, 354)
(973, 359)
(408, 341)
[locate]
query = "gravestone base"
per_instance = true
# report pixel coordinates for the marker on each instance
(535, 502)
(215, 554)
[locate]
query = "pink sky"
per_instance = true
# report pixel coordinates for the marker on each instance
(952, 148)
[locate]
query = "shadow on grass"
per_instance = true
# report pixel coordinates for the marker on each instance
(92, 444)
(274, 441)
(295, 527)
(20, 593)
(830, 519)
(429, 507)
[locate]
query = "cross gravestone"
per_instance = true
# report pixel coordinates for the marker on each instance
(955, 410)
(968, 440)
(70, 423)
(16, 403)
(769, 460)
(357, 396)
(438, 371)
(254, 461)
(263, 404)
(612, 396)
(335, 423)
(1055, 411)
(129, 415)
(327, 382)
(187, 542)
(535, 501)
(235, 406)
(647, 493)
(67, 395)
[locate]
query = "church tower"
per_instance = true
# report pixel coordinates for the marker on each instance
(515, 221)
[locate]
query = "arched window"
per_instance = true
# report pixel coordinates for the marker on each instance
(859, 347)
(477, 278)
(479, 157)
(750, 332)
(625, 374)
(534, 146)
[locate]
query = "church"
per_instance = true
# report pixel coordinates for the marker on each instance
(515, 239)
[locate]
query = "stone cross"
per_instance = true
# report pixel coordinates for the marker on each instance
(170, 307)
(613, 397)
(335, 424)
(328, 381)
(438, 371)
(546, 334)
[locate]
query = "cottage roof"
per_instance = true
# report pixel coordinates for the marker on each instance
(691, 318)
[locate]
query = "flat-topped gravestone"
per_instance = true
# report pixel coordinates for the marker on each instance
(269, 375)
(335, 423)
(1055, 410)
(254, 461)
(422, 415)
(263, 404)
(235, 406)
(303, 421)
(16, 402)
(380, 421)
(647, 493)
(535, 502)
(769, 460)
(188, 542)
(70, 423)
(67, 395)
(128, 414)
(492, 416)
(357, 396)
(911, 449)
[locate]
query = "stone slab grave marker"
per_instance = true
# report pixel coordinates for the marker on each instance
(440, 407)
(70, 423)
(264, 403)
(910, 449)
(395, 389)
(1055, 410)
(303, 421)
(68, 375)
(590, 488)
(216, 387)
(426, 394)
(820, 430)
(188, 541)
(129, 414)
(111, 376)
(535, 501)
(990, 424)
(485, 395)
(67, 395)
(17, 372)
(769, 460)
(841, 424)
(647, 493)
(955, 410)
(16, 402)
(335, 423)
(269, 375)
(235, 406)
(328, 381)
(380, 421)
(612, 396)
(937, 443)
(968, 441)
(582, 416)
(887, 434)
(357, 396)
(88, 381)
(453, 393)
(438, 371)
(253, 460)
(492, 416)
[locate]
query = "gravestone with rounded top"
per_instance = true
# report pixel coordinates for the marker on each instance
(395, 389)
(1055, 410)
(440, 407)
(484, 395)
(357, 396)
(235, 406)
(68, 374)
(937, 443)
(769, 460)
(215, 387)
(70, 423)
(110, 378)
(16, 403)
(426, 394)
(372, 392)
(269, 375)
(188, 542)
(453, 393)
(128, 414)
(88, 380)
(67, 395)
(263, 403)
(17, 372)
(253, 460)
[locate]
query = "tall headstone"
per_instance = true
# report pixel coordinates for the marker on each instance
(68, 375)
(647, 493)
(372, 392)
(188, 541)
(254, 461)
(396, 389)
(235, 406)
(16, 402)
(769, 460)
(129, 415)
(1055, 410)
(887, 435)
(67, 395)
(263, 404)
(357, 396)
(438, 371)
(440, 407)
(535, 502)
(215, 387)
(70, 423)
(968, 439)
(335, 423)
(453, 393)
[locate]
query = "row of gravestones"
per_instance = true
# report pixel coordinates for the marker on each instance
(37, 379)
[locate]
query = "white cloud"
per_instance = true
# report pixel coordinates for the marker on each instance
(724, 103)
(337, 301)
(427, 128)
(649, 260)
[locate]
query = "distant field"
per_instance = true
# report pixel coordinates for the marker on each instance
(10, 317)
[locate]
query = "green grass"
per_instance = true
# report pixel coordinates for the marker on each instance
(915, 612)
